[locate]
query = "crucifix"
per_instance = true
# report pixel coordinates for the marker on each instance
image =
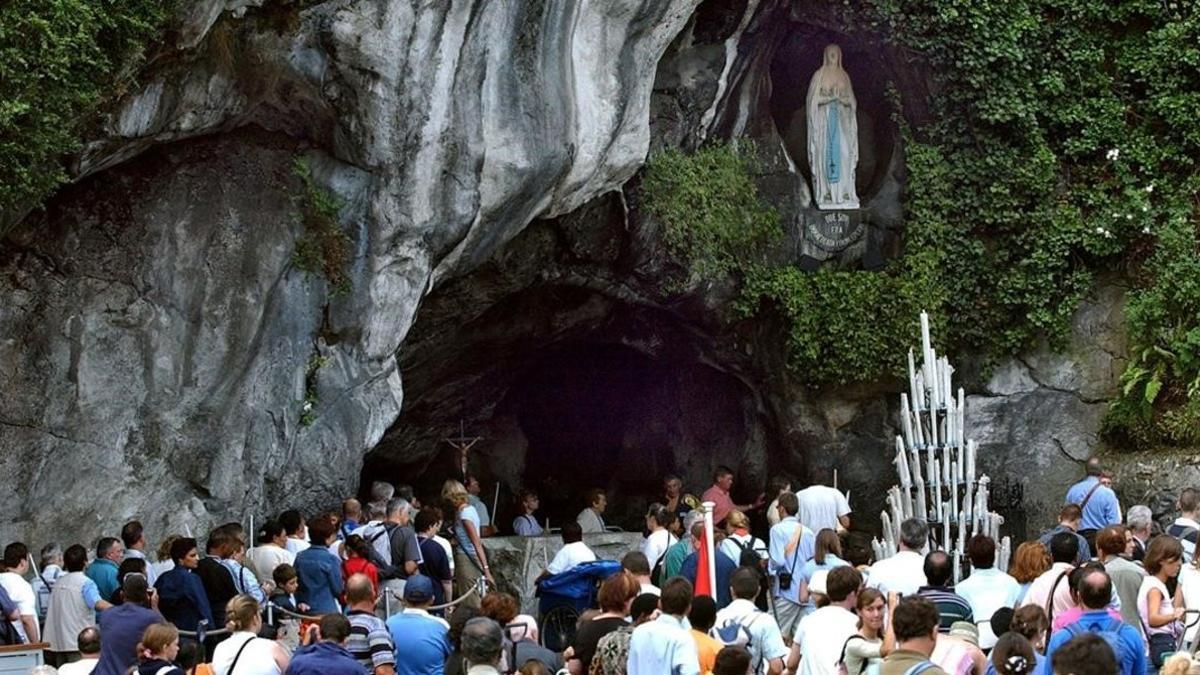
(462, 443)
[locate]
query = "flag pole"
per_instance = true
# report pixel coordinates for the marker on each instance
(709, 546)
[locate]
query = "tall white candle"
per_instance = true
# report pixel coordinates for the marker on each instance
(906, 420)
(913, 390)
(946, 528)
(922, 509)
(971, 461)
(954, 486)
(902, 464)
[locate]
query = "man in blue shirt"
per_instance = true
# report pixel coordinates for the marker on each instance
(422, 640)
(724, 565)
(792, 545)
(1095, 591)
(328, 656)
(103, 570)
(1097, 501)
(122, 627)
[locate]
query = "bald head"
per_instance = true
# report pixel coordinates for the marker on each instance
(1095, 589)
(938, 568)
(1094, 467)
(359, 590)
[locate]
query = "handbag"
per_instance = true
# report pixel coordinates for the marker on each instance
(1161, 646)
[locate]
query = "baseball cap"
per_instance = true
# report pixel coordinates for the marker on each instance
(418, 588)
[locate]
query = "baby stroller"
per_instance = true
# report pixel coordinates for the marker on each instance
(563, 597)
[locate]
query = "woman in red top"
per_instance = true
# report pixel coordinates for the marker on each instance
(358, 561)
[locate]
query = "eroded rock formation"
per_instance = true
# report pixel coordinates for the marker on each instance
(158, 340)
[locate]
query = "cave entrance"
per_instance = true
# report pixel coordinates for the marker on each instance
(605, 415)
(570, 390)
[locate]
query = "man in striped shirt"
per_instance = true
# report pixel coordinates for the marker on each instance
(369, 643)
(951, 606)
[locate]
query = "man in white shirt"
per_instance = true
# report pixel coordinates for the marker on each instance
(297, 533)
(987, 589)
(270, 552)
(573, 552)
(823, 507)
(665, 646)
(16, 564)
(636, 564)
(820, 636)
(1053, 582)
(134, 538)
(591, 519)
(89, 653)
(904, 572)
(742, 623)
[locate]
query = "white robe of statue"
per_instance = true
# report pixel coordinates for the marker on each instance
(832, 134)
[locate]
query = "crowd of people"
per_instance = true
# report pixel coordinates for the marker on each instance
(395, 586)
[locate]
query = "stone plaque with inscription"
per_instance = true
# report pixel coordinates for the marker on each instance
(821, 234)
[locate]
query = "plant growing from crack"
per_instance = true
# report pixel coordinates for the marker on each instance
(324, 248)
(308, 407)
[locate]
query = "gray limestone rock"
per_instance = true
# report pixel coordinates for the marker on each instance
(159, 347)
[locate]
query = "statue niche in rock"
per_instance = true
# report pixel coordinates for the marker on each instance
(832, 134)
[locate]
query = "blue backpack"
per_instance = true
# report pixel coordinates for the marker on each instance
(1110, 631)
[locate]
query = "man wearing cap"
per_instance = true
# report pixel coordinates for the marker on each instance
(425, 637)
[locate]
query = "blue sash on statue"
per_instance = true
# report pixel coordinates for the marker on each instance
(833, 145)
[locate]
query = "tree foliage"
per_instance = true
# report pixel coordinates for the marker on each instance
(60, 60)
(1064, 143)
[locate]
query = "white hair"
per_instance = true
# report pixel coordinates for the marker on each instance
(1139, 517)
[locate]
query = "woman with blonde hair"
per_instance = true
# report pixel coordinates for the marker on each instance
(738, 538)
(157, 650)
(243, 652)
(470, 558)
(1029, 562)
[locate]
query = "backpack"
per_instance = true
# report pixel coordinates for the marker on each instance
(1187, 536)
(376, 558)
(1110, 631)
(735, 633)
(747, 557)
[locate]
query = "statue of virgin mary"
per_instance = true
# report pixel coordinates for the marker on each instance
(832, 134)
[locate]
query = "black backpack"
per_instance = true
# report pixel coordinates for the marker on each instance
(748, 557)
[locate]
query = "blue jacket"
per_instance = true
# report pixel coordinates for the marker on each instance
(1131, 657)
(182, 600)
(320, 579)
(324, 658)
(122, 628)
(104, 572)
(725, 570)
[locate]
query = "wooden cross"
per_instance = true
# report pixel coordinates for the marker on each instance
(463, 443)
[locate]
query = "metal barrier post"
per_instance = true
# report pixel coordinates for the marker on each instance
(387, 603)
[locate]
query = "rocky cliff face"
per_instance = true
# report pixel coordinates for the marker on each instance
(154, 333)
(159, 342)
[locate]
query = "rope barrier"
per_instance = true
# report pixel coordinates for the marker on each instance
(479, 588)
